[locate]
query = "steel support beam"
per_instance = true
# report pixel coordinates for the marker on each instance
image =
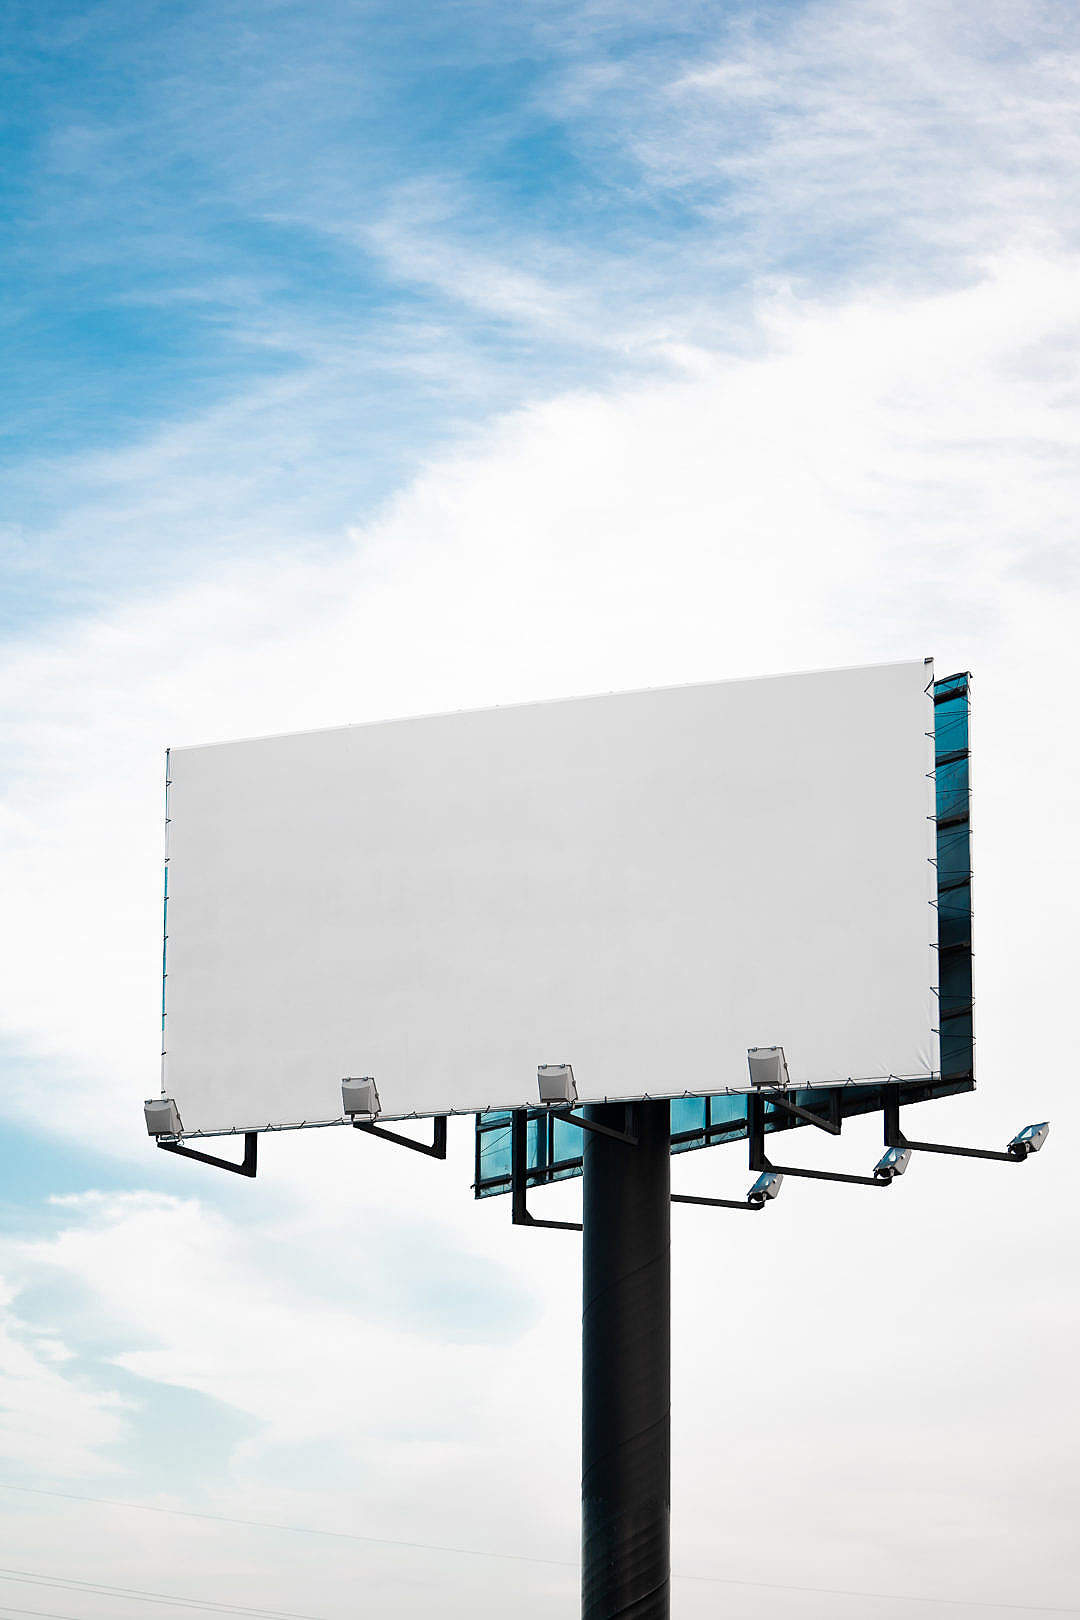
(804, 1115)
(584, 1123)
(626, 1367)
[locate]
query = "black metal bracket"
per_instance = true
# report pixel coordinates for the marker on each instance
(755, 1130)
(780, 1100)
(894, 1137)
(246, 1167)
(435, 1149)
(1006, 1157)
(717, 1203)
(822, 1175)
(591, 1125)
(519, 1170)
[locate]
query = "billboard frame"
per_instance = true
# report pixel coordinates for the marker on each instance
(866, 1073)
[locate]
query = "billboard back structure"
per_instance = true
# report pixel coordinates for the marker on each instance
(644, 885)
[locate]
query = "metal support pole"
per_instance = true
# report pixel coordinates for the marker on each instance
(626, 1368)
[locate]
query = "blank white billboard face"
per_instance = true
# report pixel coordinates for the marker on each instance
(642, 885)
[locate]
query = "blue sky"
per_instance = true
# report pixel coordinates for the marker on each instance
(347, 234)
(363, 360)
(213, 201)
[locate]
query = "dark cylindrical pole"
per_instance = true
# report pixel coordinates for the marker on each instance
(626, 1367)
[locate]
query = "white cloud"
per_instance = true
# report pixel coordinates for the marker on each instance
(51, 1418)
(364, 1412)
(211, 1307)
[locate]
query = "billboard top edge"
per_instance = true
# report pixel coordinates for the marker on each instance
(543, 703)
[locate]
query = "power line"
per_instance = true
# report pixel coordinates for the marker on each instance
(886, 1597)
(71, 1583)
(43, 1614)
(292, 1529)
(524, 1558)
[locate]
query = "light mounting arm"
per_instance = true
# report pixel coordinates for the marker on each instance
(1024, 1143)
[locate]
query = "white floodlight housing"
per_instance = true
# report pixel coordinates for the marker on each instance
(768, 1067)
(162, 1117)
(893, 1162)
(1029, 1140)
(767, 1185)
(557, 1084)
(360, 1097)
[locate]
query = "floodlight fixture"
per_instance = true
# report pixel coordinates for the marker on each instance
(162, 1117)
(360, 1097)
(893, 1162)
(1029, 1140)
(557, 1085)
(768, 1067)
(767, 1185)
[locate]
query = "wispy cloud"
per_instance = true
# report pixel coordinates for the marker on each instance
(895, 140)
(51, 1420)
(283, 265)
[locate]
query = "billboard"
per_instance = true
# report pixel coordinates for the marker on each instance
(643, 885)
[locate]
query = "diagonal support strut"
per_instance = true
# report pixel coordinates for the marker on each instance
(592, 1125)
(246, 1167)
(435, 1149)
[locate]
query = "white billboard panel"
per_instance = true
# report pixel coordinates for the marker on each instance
(643, 885)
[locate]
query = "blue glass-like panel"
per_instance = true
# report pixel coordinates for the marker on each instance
(957, 1049)
(954, 917)
(951, 724)
(956, 1026)
(689, 1114)
(726, 1110)
(954, 983)
(566, 1142)
(494, 1154)
(953, 855)
(952, 788)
